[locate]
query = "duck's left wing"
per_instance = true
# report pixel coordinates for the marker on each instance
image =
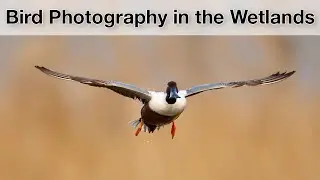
(126, 90)
(274, 78)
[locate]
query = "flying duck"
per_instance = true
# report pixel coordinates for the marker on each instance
(161, 108)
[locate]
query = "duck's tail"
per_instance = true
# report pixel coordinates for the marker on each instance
(135, 123)
(146, 127)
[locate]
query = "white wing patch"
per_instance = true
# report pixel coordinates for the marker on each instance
(159, 104)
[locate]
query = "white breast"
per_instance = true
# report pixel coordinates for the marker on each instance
(159, 104)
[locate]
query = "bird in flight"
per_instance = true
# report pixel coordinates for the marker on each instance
(162, 108)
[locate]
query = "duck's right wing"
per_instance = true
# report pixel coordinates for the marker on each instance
(274, 78)
(126, 90)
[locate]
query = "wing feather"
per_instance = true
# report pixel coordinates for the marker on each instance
(126, 90)
(274, 78)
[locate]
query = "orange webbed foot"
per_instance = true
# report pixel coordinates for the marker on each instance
(173, 130)
(139, 128)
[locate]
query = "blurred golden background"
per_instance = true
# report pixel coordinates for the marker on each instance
(58, 130)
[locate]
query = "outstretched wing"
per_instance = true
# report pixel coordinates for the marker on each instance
(126, 90)
(274, 78)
